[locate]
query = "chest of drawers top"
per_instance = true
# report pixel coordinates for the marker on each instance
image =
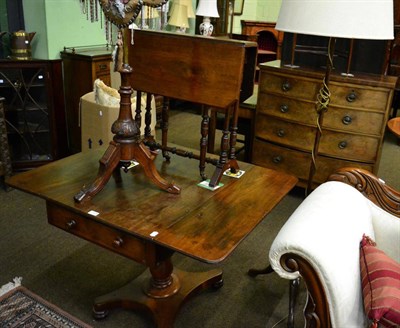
(304, 84)
(312, 73)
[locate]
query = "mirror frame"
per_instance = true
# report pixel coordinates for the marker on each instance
(238, 7)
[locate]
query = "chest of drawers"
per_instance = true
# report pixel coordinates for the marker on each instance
(286, 121)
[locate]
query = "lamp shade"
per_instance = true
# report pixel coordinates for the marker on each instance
(356, 19)
(187, 3)
(179, 16)
(207, 8)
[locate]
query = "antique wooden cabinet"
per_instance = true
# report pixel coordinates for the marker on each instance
(286, 121)
(34, 111)
(5, 160)
(82, 66)
(251, 28)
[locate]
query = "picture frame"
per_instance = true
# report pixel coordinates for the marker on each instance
(238, 7)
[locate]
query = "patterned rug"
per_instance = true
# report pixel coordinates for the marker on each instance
(19, 307)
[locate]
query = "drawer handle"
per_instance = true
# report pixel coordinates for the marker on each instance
(103, 66)
(277, 159)
(71, 224)
(342, 144)
(284, 108)
(280, 133)
(286, 86)
(347, 120)
(351, 96)
(118, 242)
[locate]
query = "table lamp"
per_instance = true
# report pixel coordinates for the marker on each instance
(207, 9)
(187, 3)
(179, 17)
(352, 19)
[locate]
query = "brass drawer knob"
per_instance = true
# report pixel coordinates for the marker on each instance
(347, 120)
(118, 242)
(71, 224)
(280, 133)
(277, 159)
(342, 144)
(103, 67)
(286, 86)
(351, 96)
(284, 108)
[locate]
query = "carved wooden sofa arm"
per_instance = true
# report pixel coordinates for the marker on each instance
(376, 190)
(320, 244)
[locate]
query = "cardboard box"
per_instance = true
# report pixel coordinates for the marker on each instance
(96, 121)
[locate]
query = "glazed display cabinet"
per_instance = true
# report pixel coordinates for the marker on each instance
(34, 111)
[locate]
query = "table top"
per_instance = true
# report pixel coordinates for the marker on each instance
(394, 126)
(203, 224)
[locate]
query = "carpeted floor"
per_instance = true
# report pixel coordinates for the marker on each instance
(70, 272)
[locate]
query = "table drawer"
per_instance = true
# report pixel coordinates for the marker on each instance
(349, 146)
(358, 97)
(281, 159)
(285, 133)
(305, 89)
(96, 232)
(287, 108)
(350, 120)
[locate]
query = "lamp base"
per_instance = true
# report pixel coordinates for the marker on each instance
(206, 28)
(180, 29)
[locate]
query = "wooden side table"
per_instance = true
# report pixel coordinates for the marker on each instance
(5, 160)
(148, 225)
(246, 115)
(82, 66)
(394, 127)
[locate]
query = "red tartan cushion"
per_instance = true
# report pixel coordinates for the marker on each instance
(381, 285)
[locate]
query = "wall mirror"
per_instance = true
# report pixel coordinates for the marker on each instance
(238, 7)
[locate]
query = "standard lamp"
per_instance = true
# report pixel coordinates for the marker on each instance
(207, 9)
(352, 19)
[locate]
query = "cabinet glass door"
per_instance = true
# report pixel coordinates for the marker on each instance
(27, 113)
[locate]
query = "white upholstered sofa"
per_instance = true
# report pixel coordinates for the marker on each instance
(320, 243)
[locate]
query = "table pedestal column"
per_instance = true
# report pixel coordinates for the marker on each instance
(160, 291)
